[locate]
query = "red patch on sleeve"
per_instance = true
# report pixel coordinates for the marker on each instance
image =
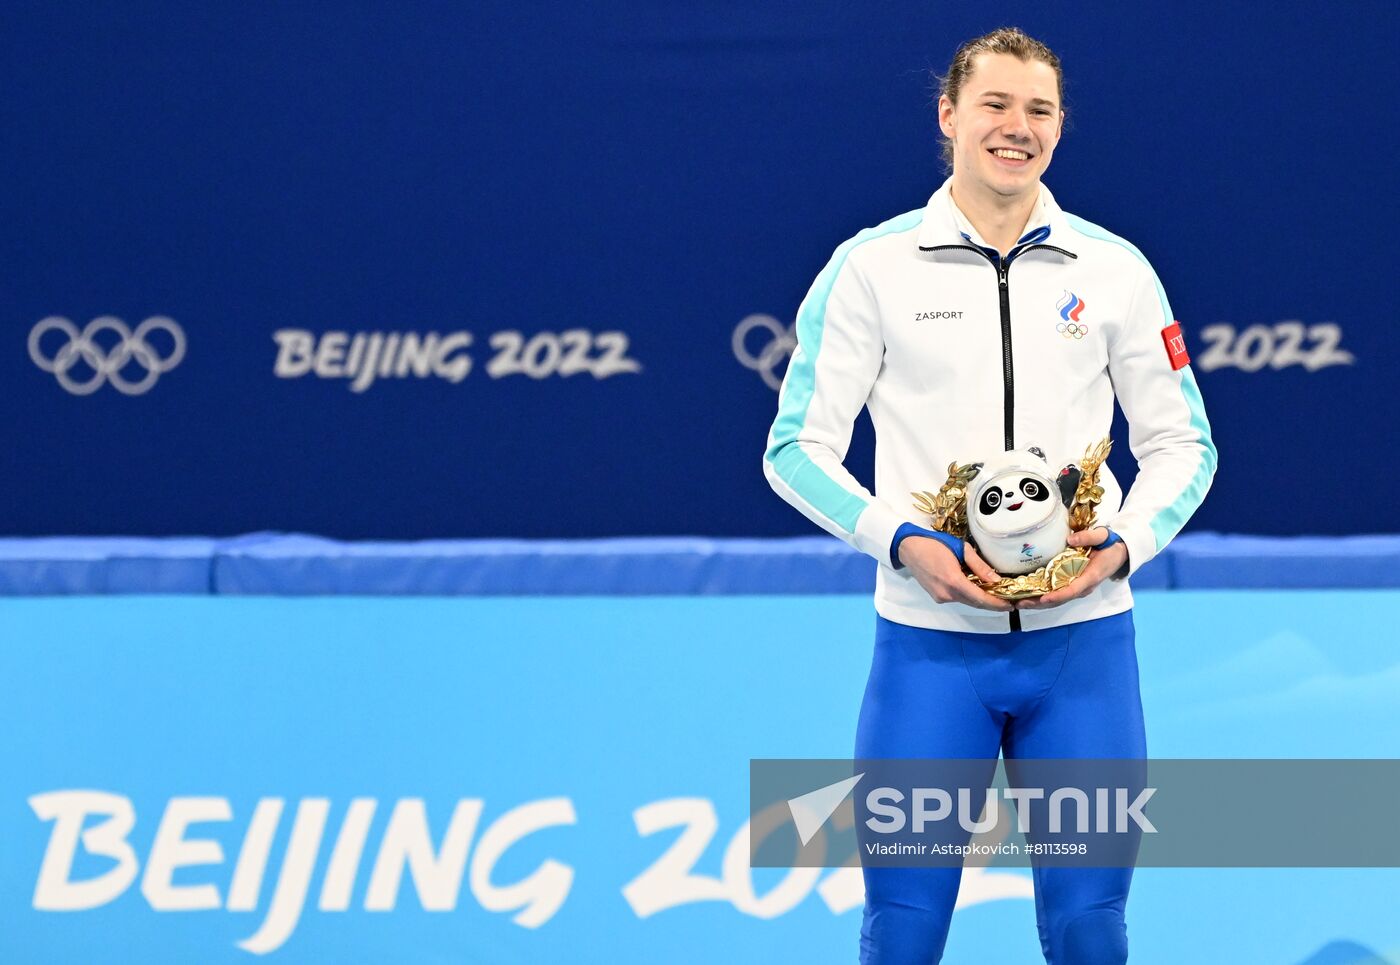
(1176, 346)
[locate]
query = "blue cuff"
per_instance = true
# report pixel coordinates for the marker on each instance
(954, 544)
(1112, 538)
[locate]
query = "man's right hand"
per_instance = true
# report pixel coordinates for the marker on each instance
(941, 576)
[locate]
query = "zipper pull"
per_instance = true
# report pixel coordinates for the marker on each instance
(1001, 274)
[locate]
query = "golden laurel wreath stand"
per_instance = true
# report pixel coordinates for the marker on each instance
(948, 510)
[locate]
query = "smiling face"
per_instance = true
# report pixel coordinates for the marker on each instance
(1004, 126)
(1013, 502)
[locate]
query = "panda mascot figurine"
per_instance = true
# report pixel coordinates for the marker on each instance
(1017, 510)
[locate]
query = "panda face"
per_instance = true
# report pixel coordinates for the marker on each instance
(1013, 501)
(1012, 498)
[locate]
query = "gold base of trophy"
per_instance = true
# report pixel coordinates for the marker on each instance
(1063, 568)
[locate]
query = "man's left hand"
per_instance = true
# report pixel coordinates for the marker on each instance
(1102, 564)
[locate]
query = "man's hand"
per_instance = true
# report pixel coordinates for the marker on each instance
(938, 572)
(1102, 564)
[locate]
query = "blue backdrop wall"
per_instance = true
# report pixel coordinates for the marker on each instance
(443, 269)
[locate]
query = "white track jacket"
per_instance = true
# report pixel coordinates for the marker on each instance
(959, 354)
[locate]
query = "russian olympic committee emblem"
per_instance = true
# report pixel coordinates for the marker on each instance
(107, 349)
(764, 344)
(1071, 306)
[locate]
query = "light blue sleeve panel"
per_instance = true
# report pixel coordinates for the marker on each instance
(828, 380)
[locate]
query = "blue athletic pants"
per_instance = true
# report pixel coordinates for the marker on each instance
(1065, 692)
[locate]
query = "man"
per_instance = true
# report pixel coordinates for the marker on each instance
(991, 320)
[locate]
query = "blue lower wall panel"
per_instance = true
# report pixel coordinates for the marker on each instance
(551, 727)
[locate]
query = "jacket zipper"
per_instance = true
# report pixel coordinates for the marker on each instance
(1008, 374)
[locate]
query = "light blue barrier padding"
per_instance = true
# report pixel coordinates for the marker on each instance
(190, 714)
(1212, 561)
(1156, 573)
(309, 565)
(65, 565)
(301, 565)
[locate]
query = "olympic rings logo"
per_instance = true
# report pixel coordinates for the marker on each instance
(107, 362)
(779, 343)
(1074, 330)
